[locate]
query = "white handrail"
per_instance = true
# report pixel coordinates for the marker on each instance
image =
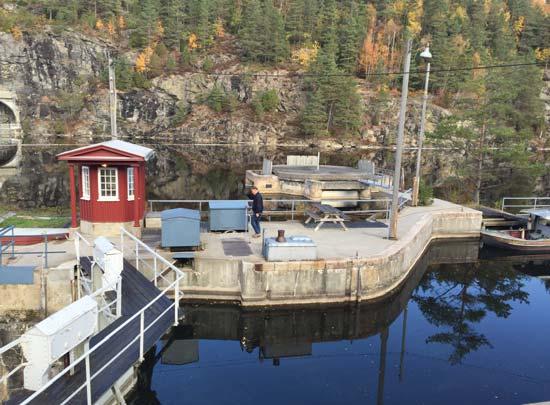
(532, 202)
(97, 346)
(140, 314)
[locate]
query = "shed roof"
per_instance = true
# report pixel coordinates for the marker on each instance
(109, 151)
(180, 213)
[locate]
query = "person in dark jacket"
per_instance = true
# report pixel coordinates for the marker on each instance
(257, 209)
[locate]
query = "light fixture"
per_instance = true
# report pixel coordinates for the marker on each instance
(426, 54)
(104, 165)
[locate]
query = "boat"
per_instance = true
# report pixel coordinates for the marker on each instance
(32, 236)
(535, 238)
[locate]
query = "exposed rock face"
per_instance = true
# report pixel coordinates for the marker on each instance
(42, 67)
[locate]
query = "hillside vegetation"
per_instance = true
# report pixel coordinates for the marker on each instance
(497, 118)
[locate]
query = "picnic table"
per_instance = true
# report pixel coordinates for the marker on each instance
(323, 213)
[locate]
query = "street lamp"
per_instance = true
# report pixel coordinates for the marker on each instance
(427, 56)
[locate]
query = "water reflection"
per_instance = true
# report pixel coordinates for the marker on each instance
(456, 298)
(445, 314)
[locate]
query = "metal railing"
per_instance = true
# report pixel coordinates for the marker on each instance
(289, 207)
(136, 246)
(5, 246)
(517, 204)
(11, 244)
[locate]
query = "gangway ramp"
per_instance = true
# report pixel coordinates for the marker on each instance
(137, 292)
(146, 315)
(495, 218)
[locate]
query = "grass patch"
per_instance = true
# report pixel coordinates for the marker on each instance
(35, 222)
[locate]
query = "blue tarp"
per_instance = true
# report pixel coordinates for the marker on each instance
(17, 274)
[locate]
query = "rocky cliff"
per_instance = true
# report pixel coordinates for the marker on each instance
(59, 79)
(50, 70)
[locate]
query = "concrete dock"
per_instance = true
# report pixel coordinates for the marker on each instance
(359, 264)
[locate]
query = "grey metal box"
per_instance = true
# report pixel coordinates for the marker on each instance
(181, 227)
(228, 215)
(295, 248)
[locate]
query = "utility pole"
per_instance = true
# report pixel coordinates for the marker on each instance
(112, 97)
(427, 56)
(399, 149)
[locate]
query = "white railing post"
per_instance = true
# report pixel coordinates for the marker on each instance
(119, 298)
(176, 300)
(122, 241)
(141, 337)
(155, 270)
(88, 377)
(137, 255)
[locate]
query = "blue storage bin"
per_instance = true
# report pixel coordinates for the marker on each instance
(180, 227)
(228, 215)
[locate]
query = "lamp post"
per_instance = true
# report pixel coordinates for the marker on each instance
(427, 56)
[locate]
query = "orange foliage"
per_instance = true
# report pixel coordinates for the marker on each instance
(192, 42)
(121, 22)
(111, 28)
(143, 60)
(16, 32)
(99, 24)
(218, 28)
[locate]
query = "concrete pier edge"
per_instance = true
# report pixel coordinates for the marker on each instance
(329, 281)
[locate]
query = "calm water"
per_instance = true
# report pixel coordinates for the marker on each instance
(457, 333)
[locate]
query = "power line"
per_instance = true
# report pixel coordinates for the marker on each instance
(394, 73)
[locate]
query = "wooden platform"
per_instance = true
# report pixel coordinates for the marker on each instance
(137, 292)
(494, 218)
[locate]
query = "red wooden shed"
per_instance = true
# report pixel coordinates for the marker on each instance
(111, 179)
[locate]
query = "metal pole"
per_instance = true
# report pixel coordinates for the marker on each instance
(45, 251)
(119, 298)
(416, 182)
(141, 328)
(155, 269)
(88, 377)
(176, 300)
(122, 242)
(292, 212)
(12, 243)
(137, 256)
(399, 149)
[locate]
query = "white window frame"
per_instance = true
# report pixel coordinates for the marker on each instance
(132, 171)
(107, 198)
(85, 183)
